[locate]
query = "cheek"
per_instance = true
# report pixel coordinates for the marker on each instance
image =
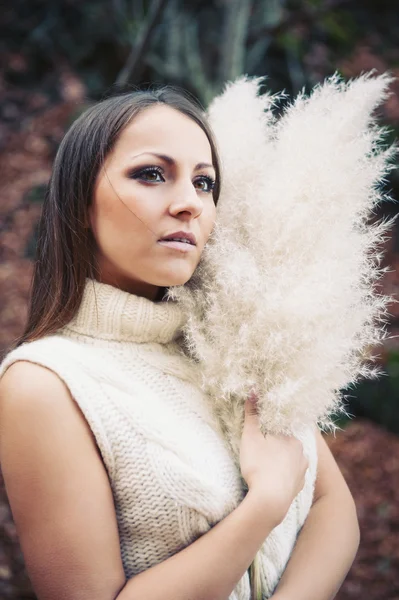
(110, 213)
(122, 232)
(111, 228)
(105, 221)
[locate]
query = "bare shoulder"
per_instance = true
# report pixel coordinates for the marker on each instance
(58, 488)
(38, 414)
(24, 378)
(31, 391)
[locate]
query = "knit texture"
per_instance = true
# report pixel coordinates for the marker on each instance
(172, 472)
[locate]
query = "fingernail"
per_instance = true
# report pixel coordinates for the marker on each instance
(253, 397)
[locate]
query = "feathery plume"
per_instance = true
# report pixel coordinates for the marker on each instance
(284, 299)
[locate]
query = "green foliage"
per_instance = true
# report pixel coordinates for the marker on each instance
(30, 248)
(198, 45)
(340, 29)
(35, 195)
(378, 400)
(342, 420)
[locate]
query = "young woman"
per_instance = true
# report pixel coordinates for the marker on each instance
(119, 479)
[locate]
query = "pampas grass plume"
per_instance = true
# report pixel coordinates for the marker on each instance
(284, 298)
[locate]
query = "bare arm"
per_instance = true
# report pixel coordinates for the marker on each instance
(63, 508)
(328, 541)
(210, 568)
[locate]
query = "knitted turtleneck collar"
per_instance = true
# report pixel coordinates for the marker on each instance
(107, 312)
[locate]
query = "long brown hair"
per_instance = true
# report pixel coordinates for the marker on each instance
(65, 247)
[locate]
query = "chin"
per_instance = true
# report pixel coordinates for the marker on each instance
(175, 278)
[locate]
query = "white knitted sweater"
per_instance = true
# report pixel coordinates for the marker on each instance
(172, 474)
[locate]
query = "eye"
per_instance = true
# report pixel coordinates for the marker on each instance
(151, 174)
(205, 183)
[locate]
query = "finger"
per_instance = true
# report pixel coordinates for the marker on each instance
(251, 407)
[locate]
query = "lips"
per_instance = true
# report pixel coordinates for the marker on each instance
(178, 236)
(181, 246)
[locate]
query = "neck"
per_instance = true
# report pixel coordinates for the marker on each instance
(131, 286)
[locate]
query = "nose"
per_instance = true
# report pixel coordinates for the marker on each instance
(186, 199)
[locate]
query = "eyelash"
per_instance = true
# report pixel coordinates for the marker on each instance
(154, 169)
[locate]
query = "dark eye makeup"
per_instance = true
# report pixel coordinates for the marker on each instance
(155, 174)
(149, 174)
(208, 181)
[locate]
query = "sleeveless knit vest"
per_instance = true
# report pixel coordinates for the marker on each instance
(171, 472)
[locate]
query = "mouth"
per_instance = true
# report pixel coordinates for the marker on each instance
(179, 246)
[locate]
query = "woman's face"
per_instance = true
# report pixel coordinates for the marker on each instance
(158, 180)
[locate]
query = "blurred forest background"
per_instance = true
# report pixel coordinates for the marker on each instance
(59, 56)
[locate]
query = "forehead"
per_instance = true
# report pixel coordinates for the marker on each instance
(165, 130)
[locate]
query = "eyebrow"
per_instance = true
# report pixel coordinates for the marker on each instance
(171, 161)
